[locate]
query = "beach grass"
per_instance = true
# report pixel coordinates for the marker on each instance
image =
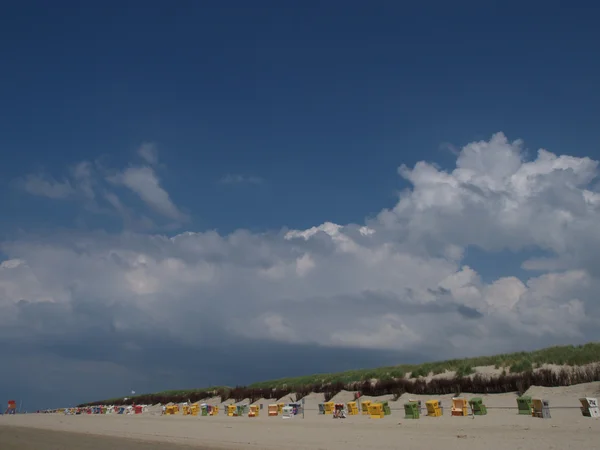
(514, 362)
(518, 370)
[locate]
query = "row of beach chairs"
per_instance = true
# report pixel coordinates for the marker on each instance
(232, 410)
(412, 409)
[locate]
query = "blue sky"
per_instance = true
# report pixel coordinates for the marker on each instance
(272, 116)
(322, 101)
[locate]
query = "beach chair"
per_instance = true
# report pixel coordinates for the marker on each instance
(329, 407)
(433, 408)
(339, 411)
(459, 407)
(321, 408)
(589, 407)
(352, 409)
(287, 412)
(296, 407)
(254, 409)
(540, 408)
(231, 410)
(204, 409)
(272, 410)
(418, 402)
(376, 411)
(477, 406)
(280, 407)
(524, 405)
(412, 410)
(364, 407)
(545, 409)
(386, 408)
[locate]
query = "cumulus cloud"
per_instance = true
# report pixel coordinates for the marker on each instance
(395, 283)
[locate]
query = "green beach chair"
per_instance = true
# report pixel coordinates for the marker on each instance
(525, 404)
(477, 406)
(411, 410)
(386, 408)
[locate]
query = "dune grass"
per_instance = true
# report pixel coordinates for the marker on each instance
(408, 377)
(513, 362)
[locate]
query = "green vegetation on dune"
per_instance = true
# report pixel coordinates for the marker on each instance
(408, 377)
(515, 362)
(189, 391)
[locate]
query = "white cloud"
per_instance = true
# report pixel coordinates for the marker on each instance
(395, 282)
(304, 264)
(494, 200)
(144, 182)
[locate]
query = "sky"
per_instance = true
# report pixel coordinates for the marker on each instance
(208, 193)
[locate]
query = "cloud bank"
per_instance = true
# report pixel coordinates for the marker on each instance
(395, 284)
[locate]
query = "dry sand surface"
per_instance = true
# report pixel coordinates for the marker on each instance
(21, 438)
(500, 429)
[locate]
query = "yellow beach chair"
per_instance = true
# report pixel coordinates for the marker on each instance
(364, 407)
(376, 411)
(433, 408)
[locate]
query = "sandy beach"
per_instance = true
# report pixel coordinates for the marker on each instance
(501, 429)
(22, 438)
